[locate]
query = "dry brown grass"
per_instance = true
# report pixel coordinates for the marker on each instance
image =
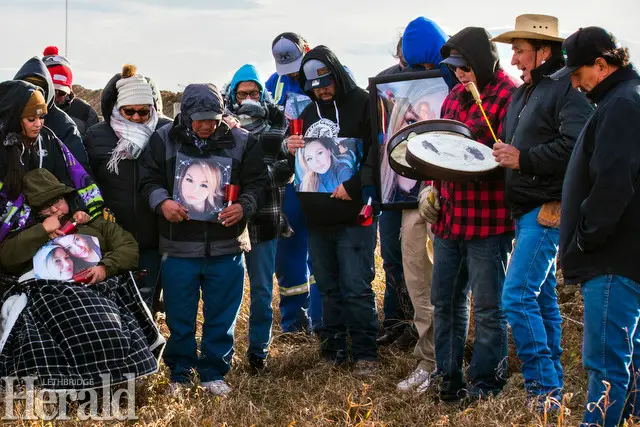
(286, 397)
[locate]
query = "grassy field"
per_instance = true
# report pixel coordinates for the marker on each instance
(285, 396)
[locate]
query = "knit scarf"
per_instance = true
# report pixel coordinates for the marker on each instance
(15, 215)
(132, 137)
(252, 116)
(201, 143)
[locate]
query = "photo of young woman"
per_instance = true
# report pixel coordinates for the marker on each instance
(65, 256)
(199, 185)
(406, 102)
(324, 163)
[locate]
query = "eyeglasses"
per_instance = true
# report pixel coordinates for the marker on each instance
(143, 112)
(48, 208)
(254, 94)
(61, 93)
(464, 68)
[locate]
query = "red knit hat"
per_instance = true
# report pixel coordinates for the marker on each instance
(59, 68)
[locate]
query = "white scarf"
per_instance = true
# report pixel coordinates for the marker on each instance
(132, 137)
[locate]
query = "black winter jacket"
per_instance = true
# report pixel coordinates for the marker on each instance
(81, 113)
(120, 191)
(352, 103)
(600, 227)
(56, 119)
(543, 121)
(157, 167)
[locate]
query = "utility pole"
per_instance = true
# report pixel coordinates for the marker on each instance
(66, 27)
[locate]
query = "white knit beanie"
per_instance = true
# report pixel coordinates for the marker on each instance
(133, 89)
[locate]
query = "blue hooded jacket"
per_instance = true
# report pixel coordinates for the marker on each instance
(421, 44)
(246, 73)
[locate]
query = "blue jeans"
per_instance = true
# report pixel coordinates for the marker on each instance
(397, 307)
(149, 286)
(300, 303)
(611, 349)
(460, 266)
(344, 270)
(530, 303)
(261, 264)
(221, 280)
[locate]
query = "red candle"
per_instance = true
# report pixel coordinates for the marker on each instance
(81, 277)
(365, 217)
(69, 228)
(231, 192)
(295, 126)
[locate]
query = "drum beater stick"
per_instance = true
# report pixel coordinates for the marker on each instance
(476, 95)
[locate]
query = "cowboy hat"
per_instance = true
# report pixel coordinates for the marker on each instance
(532, 26)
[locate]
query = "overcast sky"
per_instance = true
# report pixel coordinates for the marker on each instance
(177, 42)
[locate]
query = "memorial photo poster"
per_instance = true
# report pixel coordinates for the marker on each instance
(324, 163)
(199, 185)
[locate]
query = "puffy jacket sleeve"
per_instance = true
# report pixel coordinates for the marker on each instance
(271, 142)
(253, 178)
(89, 143)
(16, 253)
(92, 118)
(552, 159)
(614, 169)
(122, 249)
(152, 166)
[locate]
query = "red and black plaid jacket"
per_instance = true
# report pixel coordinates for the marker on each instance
(476, 209)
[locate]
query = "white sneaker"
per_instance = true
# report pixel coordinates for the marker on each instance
(217, 387)
(414, 380)
(424, 386)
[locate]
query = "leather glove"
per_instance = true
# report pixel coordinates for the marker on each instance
(429, 204)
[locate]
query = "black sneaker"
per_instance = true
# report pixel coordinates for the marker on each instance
(257, 365)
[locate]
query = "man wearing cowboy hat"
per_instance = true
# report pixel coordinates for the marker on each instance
(600, 232)
(539, 131)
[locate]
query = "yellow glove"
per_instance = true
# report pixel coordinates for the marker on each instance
(108, 215)
(429, 204)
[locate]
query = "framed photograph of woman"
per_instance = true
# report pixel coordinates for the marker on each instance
(325, 163)
(65, 256)
(199, 185)
(402, 99)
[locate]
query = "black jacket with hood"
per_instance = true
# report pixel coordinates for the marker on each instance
(57, 120)
(353, 107)
(157, 166)
(543, 121)
(45, 152)
(83, 114)
(599, 231)
(120, 191)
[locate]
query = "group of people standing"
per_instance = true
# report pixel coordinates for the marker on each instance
(563, 155)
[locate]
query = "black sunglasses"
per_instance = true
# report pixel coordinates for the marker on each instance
(464, 68)
(143, 112)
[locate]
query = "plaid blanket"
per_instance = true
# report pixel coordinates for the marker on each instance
(69, 336)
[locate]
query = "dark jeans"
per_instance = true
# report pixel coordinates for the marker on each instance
(478, 266)
(344, 269)
(611, 349)
(397, 307)
(221, 280)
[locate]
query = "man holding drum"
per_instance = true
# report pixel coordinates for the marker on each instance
(473, 230)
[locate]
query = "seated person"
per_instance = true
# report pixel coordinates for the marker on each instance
(50, 201)
(105, 325)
